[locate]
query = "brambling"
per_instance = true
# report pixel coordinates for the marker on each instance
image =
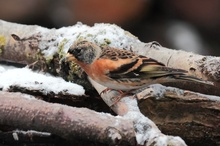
(120, 69)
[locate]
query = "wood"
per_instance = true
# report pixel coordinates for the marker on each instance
(25, 112)
(192, 116)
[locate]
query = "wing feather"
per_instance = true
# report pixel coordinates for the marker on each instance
(145, 68)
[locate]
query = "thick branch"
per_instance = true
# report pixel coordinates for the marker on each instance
(25, 112)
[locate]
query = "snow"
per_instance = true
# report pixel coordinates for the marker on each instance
(159, 90)
(29, 132)
(100, 33)
(211, 66)
(2, 69)
(32, 132)
(26, 78)
(145, 129)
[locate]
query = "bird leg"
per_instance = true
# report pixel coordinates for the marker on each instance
(109, 89)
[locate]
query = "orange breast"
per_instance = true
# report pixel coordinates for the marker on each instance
(98, 69)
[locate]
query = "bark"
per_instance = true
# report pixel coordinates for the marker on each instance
(192, 116)
(25, 112)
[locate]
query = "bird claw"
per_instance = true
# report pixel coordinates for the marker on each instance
(118, 98)
(109, 89)
(105, 90)
(115, 99)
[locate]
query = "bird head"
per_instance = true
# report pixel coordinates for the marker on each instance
(83, 51)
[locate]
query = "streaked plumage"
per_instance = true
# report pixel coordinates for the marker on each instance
(120, 69)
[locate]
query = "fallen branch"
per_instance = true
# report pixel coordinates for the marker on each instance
(25, 112)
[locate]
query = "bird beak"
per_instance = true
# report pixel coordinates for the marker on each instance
(68, 57)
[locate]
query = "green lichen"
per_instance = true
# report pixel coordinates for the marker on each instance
(75, 69)
(61, 48)
(2, 43)
(1, 50)
(48, 59)
(89, 35)
(107, 41)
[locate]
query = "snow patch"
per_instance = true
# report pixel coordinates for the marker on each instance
(2, 69)
(26, 78)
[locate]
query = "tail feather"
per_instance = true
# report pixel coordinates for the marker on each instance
(192, 78)
(156, 72)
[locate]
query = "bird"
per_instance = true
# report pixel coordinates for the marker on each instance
(123, 70)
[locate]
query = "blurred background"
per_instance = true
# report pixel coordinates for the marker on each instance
(191, 25)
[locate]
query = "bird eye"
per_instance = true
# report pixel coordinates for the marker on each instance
(76, 51)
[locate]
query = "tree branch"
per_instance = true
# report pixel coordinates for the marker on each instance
(25, 112)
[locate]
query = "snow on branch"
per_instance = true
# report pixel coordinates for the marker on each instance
(41, 82)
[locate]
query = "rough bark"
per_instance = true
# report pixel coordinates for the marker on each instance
(192, 116)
